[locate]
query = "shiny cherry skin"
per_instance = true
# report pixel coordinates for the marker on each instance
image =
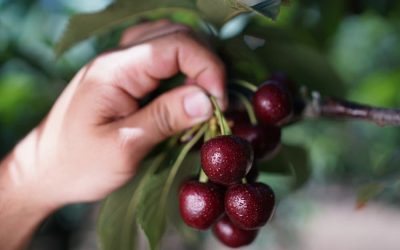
(249, 206)
(231, 235)
(226, 159)
(201, 204)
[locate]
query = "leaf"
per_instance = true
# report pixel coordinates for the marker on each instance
(152, 208)
(269, 8)
(368, 192)
(219, 12)
(292, 161)
(152, 217)
(83, 26)
(117, 222)
(278, 50)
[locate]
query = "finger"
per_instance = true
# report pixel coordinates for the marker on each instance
(159, 32)
(139, 69)
(172, 112)
(133, 34)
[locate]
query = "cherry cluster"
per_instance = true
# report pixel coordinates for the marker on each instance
(231, 201)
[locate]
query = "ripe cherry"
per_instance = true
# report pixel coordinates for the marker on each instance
(263, 139)
(201, 204)
(249, 206)
(231, 235)
(284, 80)
(226, 159)
(272, 103)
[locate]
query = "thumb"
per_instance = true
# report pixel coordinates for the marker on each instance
(170, 113)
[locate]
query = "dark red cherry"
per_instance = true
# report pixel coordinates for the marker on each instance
(249, 206)
(226, 159)
(263, 139)
(272, 103)
(283, 79)
(201, 204)
(231, 235)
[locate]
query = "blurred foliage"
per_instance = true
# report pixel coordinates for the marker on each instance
(360, 39)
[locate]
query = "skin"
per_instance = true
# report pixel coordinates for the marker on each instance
(95, 136)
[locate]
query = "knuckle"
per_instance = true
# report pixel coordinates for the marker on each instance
(163, 119)
(163, 22)
(182, 36)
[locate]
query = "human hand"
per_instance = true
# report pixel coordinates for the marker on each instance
(96, 134)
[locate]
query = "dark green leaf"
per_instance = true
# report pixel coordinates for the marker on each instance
(269, 8)
(156, 195)
(292, 161)
(278, 50)
(151, 216)
(83, 26)
(116, 219)
(117, 223)
(220, 11)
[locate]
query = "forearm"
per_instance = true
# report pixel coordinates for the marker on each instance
(22, 206)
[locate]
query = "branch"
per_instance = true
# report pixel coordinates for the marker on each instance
(321, 106)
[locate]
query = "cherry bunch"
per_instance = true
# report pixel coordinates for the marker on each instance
(229, 198)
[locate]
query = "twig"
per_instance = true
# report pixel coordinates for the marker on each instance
(321, 106)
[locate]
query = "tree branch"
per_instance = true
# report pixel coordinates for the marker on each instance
(321, 106)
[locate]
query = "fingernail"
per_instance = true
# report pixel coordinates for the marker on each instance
(197, 105)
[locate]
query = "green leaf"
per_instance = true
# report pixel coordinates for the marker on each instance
(114, 214)
(276, 49)
(292, 161)
(152, 217)
(117, 223)
(83, 26)
(152, 208)
(219, 12)
(269, 8)
(368, 192)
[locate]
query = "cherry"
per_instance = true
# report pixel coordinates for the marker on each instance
(200, 204)
(231, 235)
(284, 80)
(263, 139)
(272, 103)
(226, 159)
(249, 206)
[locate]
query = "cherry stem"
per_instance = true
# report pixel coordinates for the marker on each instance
(319, 106)
(188, 135)
(247, 105)
(203, 177)
(178, 162)
(245, 84)
(223, 124)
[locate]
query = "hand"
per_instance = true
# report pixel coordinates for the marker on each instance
(95, 136)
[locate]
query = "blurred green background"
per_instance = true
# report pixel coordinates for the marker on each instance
(360, 38)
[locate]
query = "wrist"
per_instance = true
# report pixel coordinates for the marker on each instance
(21, 184)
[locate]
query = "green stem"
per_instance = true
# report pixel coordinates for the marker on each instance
(189, 134)
(178, 162)
(245, 84)
(203, 177)
(223, 124)
(247, 105)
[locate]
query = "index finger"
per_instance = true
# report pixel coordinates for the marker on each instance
(139, 69)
